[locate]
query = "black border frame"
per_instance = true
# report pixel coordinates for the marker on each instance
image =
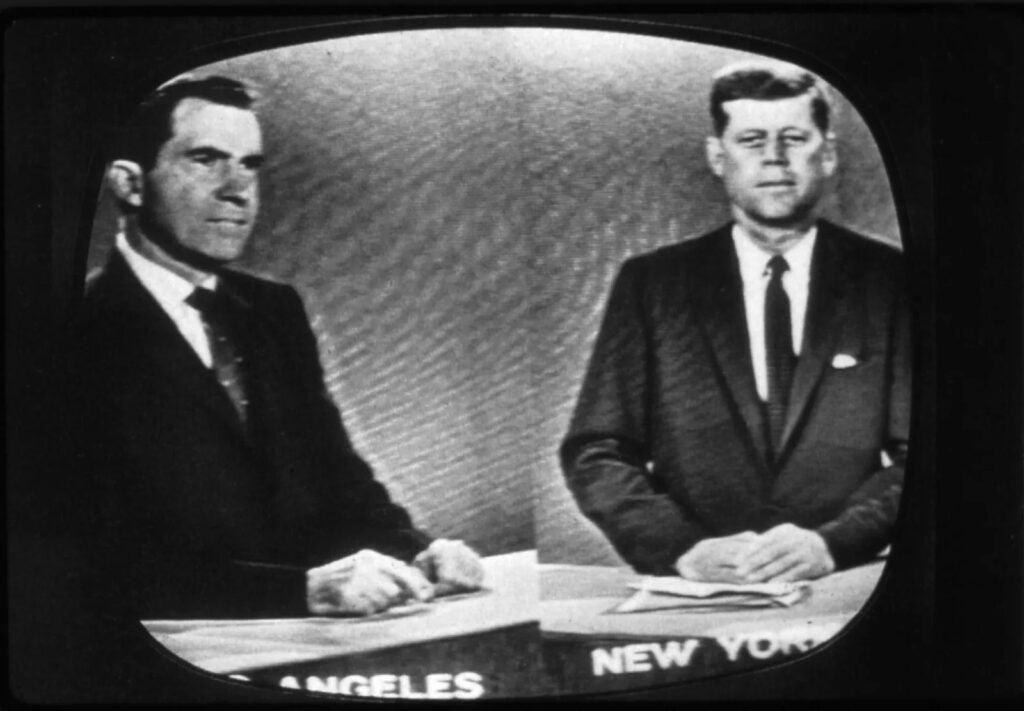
(949, 610)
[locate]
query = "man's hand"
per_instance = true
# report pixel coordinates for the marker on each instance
(785, 553)
(451, 565)
(362, 584)
(714, 560)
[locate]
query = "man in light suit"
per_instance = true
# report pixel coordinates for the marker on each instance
(242, 497)
(744, 416)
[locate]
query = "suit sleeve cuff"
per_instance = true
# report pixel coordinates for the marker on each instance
(846, 544)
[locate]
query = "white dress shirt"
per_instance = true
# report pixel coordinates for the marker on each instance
(756, 275)
(170, 291)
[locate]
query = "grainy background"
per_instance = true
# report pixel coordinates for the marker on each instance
(453, 205)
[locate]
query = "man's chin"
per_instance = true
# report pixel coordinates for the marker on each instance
(215, 254)
(212, 262)
(784, 218)
(206, 261)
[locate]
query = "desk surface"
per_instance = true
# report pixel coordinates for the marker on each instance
(575, 600)
(588, 649)
(493, 629)
(509, 598)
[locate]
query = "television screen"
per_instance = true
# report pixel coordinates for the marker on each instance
(509, 330)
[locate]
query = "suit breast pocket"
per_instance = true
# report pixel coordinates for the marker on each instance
(854, 358)
(852, 402)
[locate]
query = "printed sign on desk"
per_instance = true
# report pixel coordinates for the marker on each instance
(471, 667)
(595, 664)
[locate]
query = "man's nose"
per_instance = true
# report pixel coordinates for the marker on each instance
(237, 185)
(775, 152)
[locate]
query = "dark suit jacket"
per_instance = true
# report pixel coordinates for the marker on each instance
(667, 445)
(189, 514)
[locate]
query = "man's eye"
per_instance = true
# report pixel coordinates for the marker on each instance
(795, 138)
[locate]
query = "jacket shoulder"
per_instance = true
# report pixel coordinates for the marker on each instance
(863, 255)
(107, 294)
(860, 243)
(673, 256)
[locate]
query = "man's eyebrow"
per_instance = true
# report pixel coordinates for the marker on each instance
(251, 159)
(207, 151)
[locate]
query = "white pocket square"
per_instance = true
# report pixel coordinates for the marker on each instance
(843, 360)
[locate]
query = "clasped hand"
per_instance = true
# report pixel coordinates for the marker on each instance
(451, 565)
(781, 554)
(368, 582)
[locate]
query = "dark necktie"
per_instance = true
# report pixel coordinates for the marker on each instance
(215, 309)
(778, 334)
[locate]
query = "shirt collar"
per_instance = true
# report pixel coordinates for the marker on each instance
(168, 288)
(754, 260)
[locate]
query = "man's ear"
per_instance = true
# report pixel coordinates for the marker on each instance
(714, 152)
(829, 157)
(124, 177)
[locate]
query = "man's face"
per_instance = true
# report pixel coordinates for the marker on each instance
(201, 196)
(773, 160)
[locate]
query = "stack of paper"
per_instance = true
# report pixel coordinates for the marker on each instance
(670, 592)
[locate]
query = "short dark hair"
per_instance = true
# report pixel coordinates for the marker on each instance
(767, 81)
(150, 126)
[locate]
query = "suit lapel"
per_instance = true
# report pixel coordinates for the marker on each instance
(828, 306)
(159, 341)
(718, 293)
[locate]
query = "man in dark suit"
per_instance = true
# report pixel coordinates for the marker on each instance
(242, 497)
(744, 415)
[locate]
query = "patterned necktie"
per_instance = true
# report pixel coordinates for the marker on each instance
(778, 333)
(215, 310)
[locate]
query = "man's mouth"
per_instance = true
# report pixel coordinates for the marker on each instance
(230, 221)
(776, 184)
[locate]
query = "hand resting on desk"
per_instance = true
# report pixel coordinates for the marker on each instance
(452, 566)
(714, 560)
(369, 582)
(784, 553)
(364, 583)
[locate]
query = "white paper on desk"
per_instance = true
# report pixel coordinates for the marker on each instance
(673, 585)
(710, 596)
